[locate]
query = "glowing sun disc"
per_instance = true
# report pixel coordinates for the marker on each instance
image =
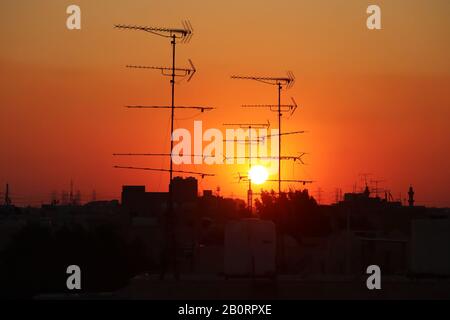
(258, 174)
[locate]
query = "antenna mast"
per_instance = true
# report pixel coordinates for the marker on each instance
(286, 82)
(250, 126)
(183, 35)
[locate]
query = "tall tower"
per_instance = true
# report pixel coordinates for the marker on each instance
(411, 196)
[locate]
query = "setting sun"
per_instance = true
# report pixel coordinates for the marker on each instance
(258, 174)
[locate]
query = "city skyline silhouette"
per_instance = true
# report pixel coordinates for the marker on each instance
(372, 101)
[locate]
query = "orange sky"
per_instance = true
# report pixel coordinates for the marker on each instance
(373, 101)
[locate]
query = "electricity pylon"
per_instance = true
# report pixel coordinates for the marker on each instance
(286, 82)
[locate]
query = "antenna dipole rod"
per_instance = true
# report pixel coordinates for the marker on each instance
(249, 125)
(166, 170)
(160, 155)
(286, 81)
(201, 108)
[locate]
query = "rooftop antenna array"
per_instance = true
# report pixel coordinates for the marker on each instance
(181, 35)
(250, 126)
(281, 82)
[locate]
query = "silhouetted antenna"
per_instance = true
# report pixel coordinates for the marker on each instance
(183, 35)
(250, 126)
(274, 107)
(167, 71)
(293, 181)
(293, 158)
(304, 182)
(376, 182)
(201, 108)
(282, 134)
(202, 174)
(160, 155)
(286, 82)
(363, 176)
(246, 141)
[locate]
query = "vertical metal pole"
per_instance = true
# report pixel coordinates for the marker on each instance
(172, 215)
(250, 192)
(279, 139)
(170, 259)
(283, 215)
(173, 112)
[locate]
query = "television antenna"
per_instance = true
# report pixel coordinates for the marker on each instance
(281, 82)
(292, 158)
(250, 126)
(304, 182)
(181, 35)
(202, 174)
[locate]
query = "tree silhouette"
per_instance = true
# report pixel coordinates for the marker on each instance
(295, 213)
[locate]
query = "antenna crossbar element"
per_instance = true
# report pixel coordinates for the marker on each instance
(249, 125)
(159, 155)
(293, 158)
(245, 178)
(167, 71)
(185, 33)
(291, 181)
(202, 174)
(244, 141)
(201, 108)
(287, 81)
(274, 107)
(282, 134)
